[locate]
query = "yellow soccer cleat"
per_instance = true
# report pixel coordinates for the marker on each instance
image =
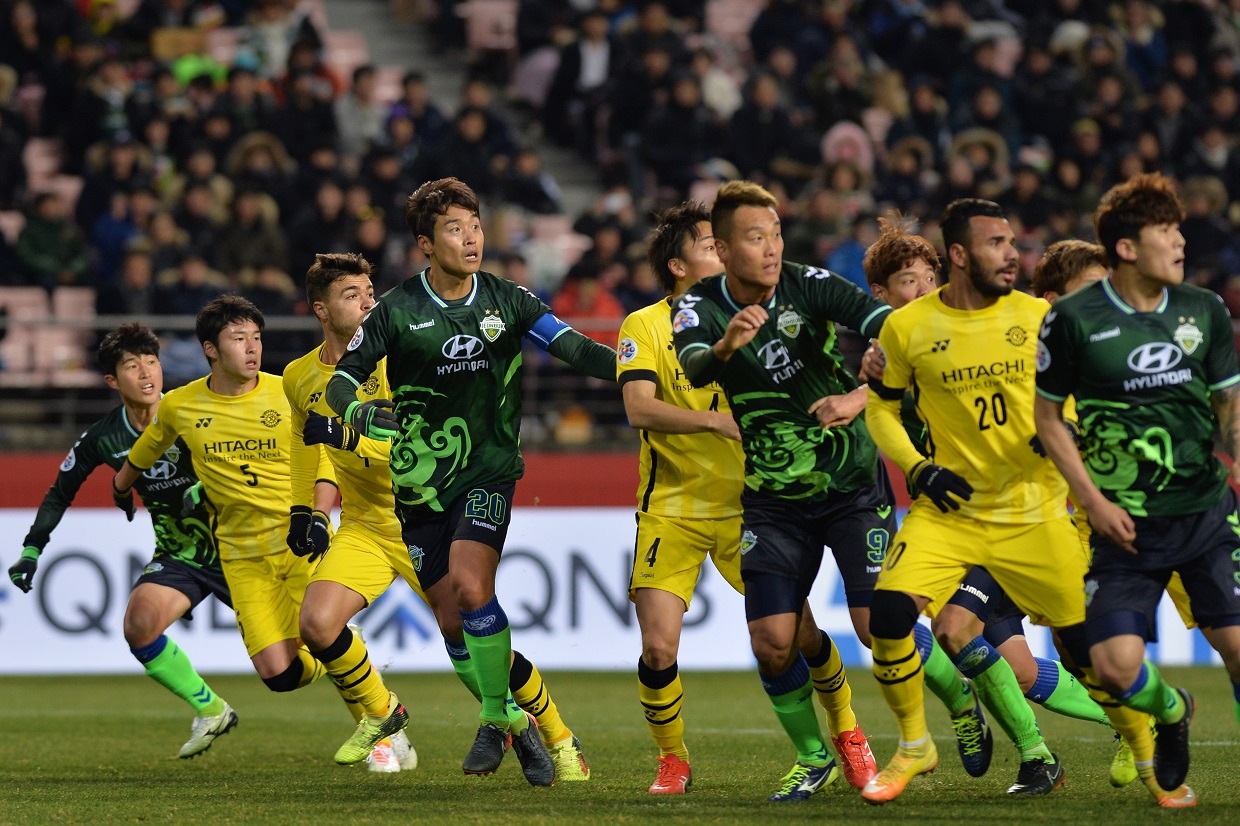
(895, 776)
(570, 762)
(370, 730)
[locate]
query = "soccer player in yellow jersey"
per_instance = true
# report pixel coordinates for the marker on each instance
(368, 553)
(692, 475)
(967, 351)
(236, 424)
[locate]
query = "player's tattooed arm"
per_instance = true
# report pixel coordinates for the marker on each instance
(1227, 407)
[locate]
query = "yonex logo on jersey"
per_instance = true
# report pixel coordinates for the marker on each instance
(940, 345)
(1154, 357)
(203, 422)
(314, 397)
(462, 347)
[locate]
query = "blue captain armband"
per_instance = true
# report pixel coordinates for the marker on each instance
(546, 330)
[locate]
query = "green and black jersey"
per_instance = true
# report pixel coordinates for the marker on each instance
(161, 486)
(455, 372)
(1142, 383)
(771, 382)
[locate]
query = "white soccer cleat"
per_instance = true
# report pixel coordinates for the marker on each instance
(382, 758)
(405, 753)
(206, 729)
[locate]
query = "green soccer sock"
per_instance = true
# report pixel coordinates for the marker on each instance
(458, 655)
(792, 696)
(942, 678)
(166, 664)
(1153, 695)
(1060, 692)
(996, 685)
(489, 640)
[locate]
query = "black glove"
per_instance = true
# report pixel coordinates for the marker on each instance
(321, 430)
(940, 485)
(194, 496)
(22, 571)
(308, 532)
(1036, 445)
(124, 501)
(374, 419)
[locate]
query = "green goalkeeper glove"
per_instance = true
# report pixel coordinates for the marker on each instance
(22, 571)
(373, 419)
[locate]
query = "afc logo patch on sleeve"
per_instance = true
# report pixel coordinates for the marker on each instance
(356, 341)
(69, 462)
(684, 320)
(627, 350)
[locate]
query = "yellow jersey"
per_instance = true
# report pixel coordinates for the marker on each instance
(685, 475)
(240, 446)
(363, 476)
(971, 373)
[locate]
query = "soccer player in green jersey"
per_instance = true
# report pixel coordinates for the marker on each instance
(452, 336)
(1151, 363)
(185, 568)
(765, 330)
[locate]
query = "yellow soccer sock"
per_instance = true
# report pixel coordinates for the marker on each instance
(1132, 725)
(311, 669)
(826, 669)
(348, 663)
(661, 695)
(532, 695)
(897, 667)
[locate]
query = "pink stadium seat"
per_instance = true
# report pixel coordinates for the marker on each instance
(11, 223)
(41, 157)
(73, 303)
(222, 44)
(550, 227)
(26, 308)
(60, 355)
(730, 20)
(490, 25)
(387, 83)
(704, 192)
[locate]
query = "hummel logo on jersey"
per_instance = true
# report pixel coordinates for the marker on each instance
(940, 345)
(314, 397)
(203, 422)
(1104, 335)
(422, 326)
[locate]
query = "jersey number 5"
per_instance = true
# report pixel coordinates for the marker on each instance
(251, 476)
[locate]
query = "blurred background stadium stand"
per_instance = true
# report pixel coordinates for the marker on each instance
(154, 153)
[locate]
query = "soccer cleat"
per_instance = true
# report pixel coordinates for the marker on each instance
(370, 730)
(405, 754)
(804, 780)
(1038, 777)
(674, 776)
(1123, 764)
(570, 763)
(888, 784)
(856, 759)
(1171, 746)
(974, 740)
(536, 763)
(205, 729)
(1181, 798)
(382, 758)
(488, 749)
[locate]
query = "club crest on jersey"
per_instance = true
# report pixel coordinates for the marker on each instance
(627, 350)
(356, 341)
(1187, 335)
(371, 386)
(173, 454)
(415, 556)
(1017, 336)
(684, 320)
(748, 542)
(270, 418)
(492, 325)
(789, 323)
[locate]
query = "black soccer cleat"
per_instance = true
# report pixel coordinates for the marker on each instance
(974, 740)
(1037, 777)
(488, 749)
(536, 763)
(1171, 747)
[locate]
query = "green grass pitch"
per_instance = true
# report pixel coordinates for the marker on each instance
(101, 749)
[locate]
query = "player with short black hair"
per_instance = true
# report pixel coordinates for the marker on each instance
(185, 568)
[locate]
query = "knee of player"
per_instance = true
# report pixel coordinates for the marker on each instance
(471, 594)
(659, 653)
(954, 628)
(317, 629)
(1115, 675)
(892, 615)
(772, 652)
(287, 680)
(141, 627)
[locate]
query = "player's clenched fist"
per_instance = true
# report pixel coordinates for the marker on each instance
(322, 430)
(741, 330)
(22, 571)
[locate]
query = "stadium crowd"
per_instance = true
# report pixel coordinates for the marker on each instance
(135, 163)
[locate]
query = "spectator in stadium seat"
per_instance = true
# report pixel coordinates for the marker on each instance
(359, 116)
(102, 108)
(187, 288)
(1025, 198)
(271, 29)
(109, 237)
(247, 104)
(133, 294)
(465, 155)
(926, 118)
(120, 165)
(371, 241)
(12, 167)
(1173, 119)
(251, 239)
(199, 168)
(321, 226)
(654, 27)
(200, 215)
(388, 185)
(429, 121)
(530, 186)
(588, 303)
(579, 87)
(479, 94)
(51, 250)
(1115, 114)
(259, 162)
(698, 138)
(273, 292)
(761, 129)
(306, 119)
(634, 95)
(400, 135)
(167, 243)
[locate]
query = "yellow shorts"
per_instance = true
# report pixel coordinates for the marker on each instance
(266, 595)
(1040, 566)
(366, 561)
(670, 552)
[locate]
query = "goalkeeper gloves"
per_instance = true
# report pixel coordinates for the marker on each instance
(321, 430)
(22, 571)
(309, 532)
(193, 497)
(373, 419)
(940, 484)
(124, 501)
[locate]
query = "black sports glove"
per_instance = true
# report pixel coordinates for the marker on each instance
(940, 485)
(124, 501)
(194, 496)
(321, 430)
(22, 571)
(374, 419)
(308, 532)
(1036, 445)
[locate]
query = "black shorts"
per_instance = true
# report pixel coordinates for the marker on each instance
(482, 515)
(983, 597)
(785, 538)
(1122, 589)
(196, 583)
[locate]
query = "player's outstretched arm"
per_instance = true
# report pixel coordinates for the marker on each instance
(585, 355)
(1226, 403)
(82, 460)
(704, 362)
(646, 412)
(1109, 519)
